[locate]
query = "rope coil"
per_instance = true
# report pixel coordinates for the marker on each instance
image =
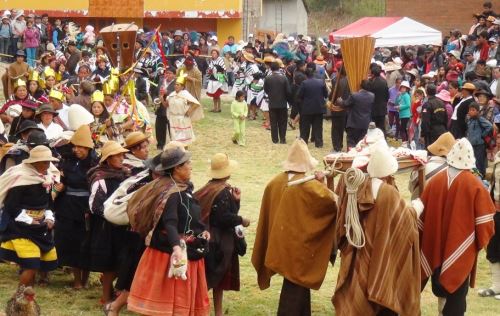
(355, 235)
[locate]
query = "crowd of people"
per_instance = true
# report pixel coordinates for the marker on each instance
(79, 189)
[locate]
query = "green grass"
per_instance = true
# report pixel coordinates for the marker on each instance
(259, 161)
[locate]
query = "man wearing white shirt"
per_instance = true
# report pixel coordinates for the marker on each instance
(56, 100)
(46, 115)
(494, 87)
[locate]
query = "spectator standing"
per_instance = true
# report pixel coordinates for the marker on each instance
(458, 120)
(18, 27)
(378, 86)
(31, 42)
(230, 46)
(403, 105)
(74, 58)
(434, 117)
(312, 96)
(277, 88)
(360, 106)
(477, 129)
(5, 35)
(339, 115)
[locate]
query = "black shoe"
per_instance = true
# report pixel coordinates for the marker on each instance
(283, 142)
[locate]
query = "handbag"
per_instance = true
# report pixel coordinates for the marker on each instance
(240, 246)
(197, 247)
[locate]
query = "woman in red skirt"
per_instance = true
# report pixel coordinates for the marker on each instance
(153, 292)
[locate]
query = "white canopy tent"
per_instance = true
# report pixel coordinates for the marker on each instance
(391, 31)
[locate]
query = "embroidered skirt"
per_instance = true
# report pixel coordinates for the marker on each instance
(154, 293)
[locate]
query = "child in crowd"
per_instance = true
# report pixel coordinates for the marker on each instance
(239, 112)
(416, 110)
(477, 129)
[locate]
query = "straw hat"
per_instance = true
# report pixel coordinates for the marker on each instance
(249, 57)
(172, 157)
(221, 166)
(299, 158)
(46, 108)
(405, 84)
(111, 148)
(382, 163)
(444, 95)
(461, 155)
(469, 86)
(269, 59)
(82, 137)
(442, 146)
(413, 72)
(455, 53)
(280, 63)
(40, 153)
(134, 139)
(55, 94)
(391, 66)
(78, 116)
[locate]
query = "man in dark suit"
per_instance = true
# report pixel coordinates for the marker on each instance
(339, 114)
(312, 96)
(378, 86)
(162, 125)
(277, 88)
(360, 106)
(434, 117)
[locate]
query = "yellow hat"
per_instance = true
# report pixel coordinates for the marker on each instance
(469, 86)
(49, 72)
(135, 138)
(280, 63)
(34, 76)
(106, 88)
(181, 79)
(97, 96)
(111, 148)
(82, 137)
(19, 83)
(55, 94)
(40, 153)
(221, 166)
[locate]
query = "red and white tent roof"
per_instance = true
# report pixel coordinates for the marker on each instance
(391, 31)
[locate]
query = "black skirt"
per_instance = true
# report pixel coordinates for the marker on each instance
(103, 246)
(493, 249)
(132, 253)
(69, 236)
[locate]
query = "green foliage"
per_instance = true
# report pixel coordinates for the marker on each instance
(356, 8)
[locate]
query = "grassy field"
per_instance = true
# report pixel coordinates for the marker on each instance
(259, 161)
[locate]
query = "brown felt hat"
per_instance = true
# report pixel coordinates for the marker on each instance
(82, 137)
(442, 146)
(111, 148)
(135, 138)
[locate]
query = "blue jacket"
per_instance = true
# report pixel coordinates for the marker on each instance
(312, 96)
(404, 103)
(477, 129)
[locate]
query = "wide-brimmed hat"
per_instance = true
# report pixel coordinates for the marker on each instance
(480, 72)
(469, 86)
(40, 153)
(36, 138)
(405, 84)
(442, 146)
(483, 92)
(21, 53)
(111, 148)
(178, 33)
(444, 95)
(381, 163)
(299, 158)
(134, 139)
(221, 166)
(455, 53)
(171, 158)
(461, 155)
(391, 66)
(249, 57)
(269, 59)
(82, 137)
(26, 125)
(492, 63)
(78, 116)
(152, 163)
(28, 104)
(413, 72)
(46, 108)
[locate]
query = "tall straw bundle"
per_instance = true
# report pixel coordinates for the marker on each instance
(357, 53)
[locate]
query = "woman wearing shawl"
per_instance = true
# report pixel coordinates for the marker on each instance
(217, 81)
(26, 201)
(220, 204)
(104, 244)
(71, 203)
(182, 110)
(170, 278)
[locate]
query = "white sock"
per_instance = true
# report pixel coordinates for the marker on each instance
(495, 277)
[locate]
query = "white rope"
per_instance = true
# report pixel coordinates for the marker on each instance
(354, 177)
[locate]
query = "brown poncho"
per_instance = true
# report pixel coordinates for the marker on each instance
(385, 273)
(295, 234)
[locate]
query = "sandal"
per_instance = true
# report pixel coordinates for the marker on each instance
(106, 308)
(487, 293)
